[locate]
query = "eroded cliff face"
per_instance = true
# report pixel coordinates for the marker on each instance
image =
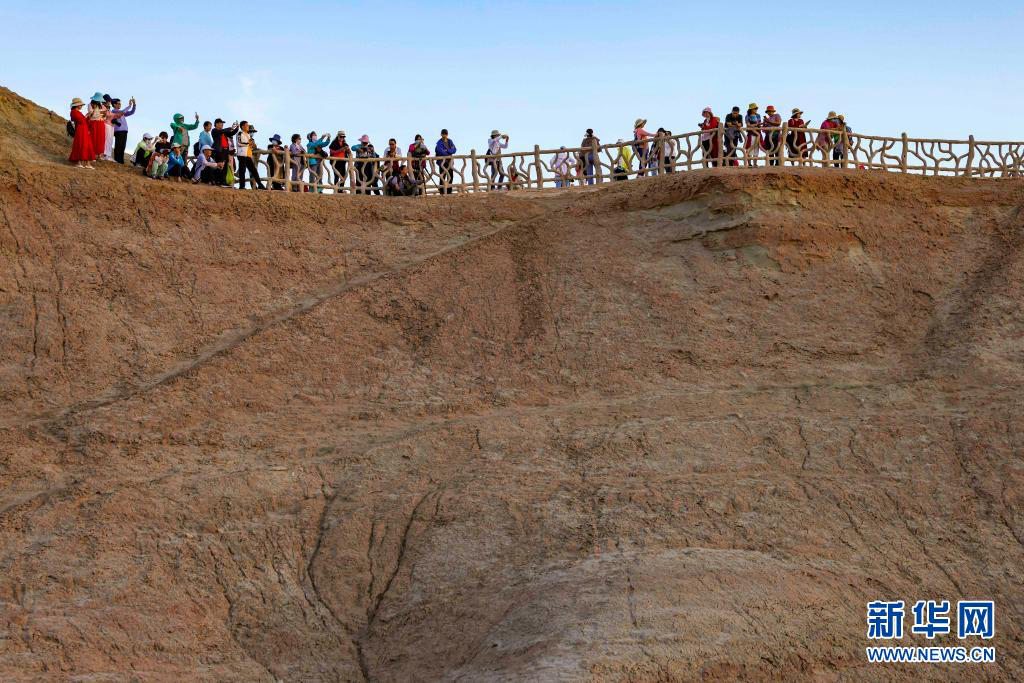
(673, 428)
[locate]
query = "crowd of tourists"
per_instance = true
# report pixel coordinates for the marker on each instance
(224, 155)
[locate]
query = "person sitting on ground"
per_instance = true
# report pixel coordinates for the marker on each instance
(402, 184)
(157, 166)
(207, 169)
(176, 163)
(143, 150)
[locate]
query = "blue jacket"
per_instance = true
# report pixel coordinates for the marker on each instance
(205, 139)
(311, 148)
(443, 150)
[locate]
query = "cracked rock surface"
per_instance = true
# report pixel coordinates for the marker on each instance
(666, 430)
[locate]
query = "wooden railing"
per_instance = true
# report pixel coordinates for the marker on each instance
(548, 168)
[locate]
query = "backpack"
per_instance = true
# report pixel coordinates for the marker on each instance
(71, 129)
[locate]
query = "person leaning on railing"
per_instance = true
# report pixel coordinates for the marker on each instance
(444, 149)
(275, 162)
(773, 131)
(623, 162)
(295, 152)
(733, 135)
(588, 155)
(709, 136)
(640, 136)
(796, 140)
(340, 152)
(419, 151)
(562, 166)
(752, 148)
(315, 149)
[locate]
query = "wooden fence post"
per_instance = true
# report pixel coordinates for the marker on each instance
(903, 154)
(783, 151)
(476, 171)
(721, 142)
(287, 170)
(969, 169)
(539, 166)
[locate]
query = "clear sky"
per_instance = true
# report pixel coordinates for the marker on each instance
(541, 71)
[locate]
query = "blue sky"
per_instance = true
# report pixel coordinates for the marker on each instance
(541, 71)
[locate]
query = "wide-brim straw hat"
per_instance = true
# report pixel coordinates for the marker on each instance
(77, 102)
(640, 123)
(341, 134)
(841, 117)
(832, 115)
(752, 105)
(798, 110)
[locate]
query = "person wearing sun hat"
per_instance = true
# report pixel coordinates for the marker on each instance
(752, 148)
(366, 170)
(796, 140)
(82, 153)
(640, 136)
(495, 144)
(840, 142)
(772, 124)
(823, 140)
(97, 115)
(709, 136)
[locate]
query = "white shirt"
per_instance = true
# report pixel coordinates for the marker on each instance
(560, 164)
(494, 145)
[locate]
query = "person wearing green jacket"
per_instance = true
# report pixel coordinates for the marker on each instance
(181, 129)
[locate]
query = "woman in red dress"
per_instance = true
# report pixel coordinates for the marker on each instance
(82, 151)
(98, 124)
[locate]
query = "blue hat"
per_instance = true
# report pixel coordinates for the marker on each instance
(98, 97)
(275, 138)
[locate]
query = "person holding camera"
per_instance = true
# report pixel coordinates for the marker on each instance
(244, 146)
(497, 142)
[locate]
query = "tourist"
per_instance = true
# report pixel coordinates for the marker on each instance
(773, 127)
(222, 138)
(315, 149)
(121, 127)
(669, 149)
(401, 184)
(244, 147)
(108, 126)
(589, 147)
(366, 169)
(179, 132)
(623, 163)
(796, 140)
(156, 168)
(176, 163)
(495, 144)
(143, 151)
(82, 154)
(296, 161)
(392, 165)
(823, 140)
(205, 138)
(275, 162)
(97, 116)
(207, 169)
(444, 149)
(419, 151)
(840, 141)
(733, 135)
(339, 152)
(752, 149)
(640, 136)
(562, 166)
(709, 137)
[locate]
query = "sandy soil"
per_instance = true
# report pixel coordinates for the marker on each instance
(676, 429)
